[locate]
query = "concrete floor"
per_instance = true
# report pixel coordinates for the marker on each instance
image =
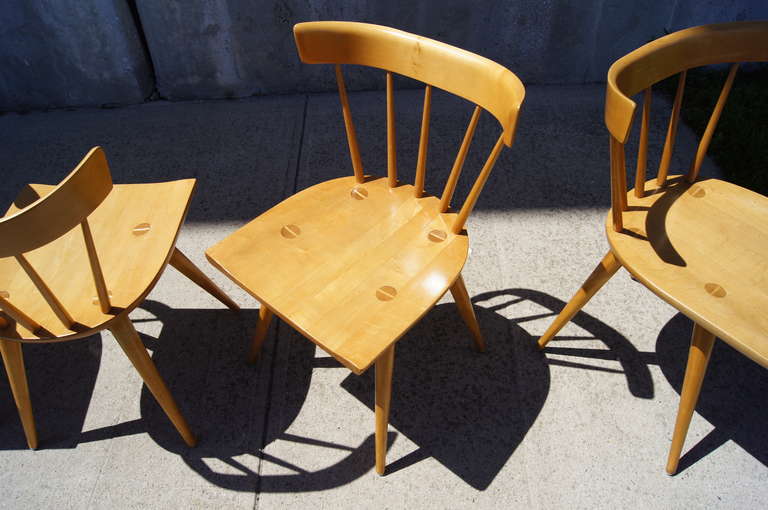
(587, 423)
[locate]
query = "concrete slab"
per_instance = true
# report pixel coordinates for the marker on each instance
(586, 423)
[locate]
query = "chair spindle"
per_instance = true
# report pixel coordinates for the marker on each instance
(46, 292)
(349, 126)
(474, 193)
(669, 144)
(453, 177)
(391, 143)
(421, 161)
(17, 315)
(98, 275)
(693, 173)
(618, 183)
(642, 151)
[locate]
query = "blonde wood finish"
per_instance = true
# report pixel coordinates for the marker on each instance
(98, 274)
(384, 367)
(601, 274)
(706, 138)
(354, 265)
(349, 127)
(90, 277)
(391, 136)
(421, 160)
(702, 342)
(191, 271)
(126, 335)
(467, 311)
(642, 151)
(458, 165)
(262, 327)
(702, 246)
(446, 67)
(17, 377)
(669, 143)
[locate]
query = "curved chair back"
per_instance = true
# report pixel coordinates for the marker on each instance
(489, 85)
(48, 218)
(639, 70)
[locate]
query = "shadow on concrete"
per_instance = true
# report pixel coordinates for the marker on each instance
(470, 411)
(732, 398)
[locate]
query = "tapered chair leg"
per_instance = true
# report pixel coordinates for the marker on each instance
(602, 273)
(191, 271)
(17, 377)
(265, 318)
(384, 364)
(467, 311)
(129, 340)
(702, 342)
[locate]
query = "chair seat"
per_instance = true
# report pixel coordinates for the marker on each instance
(703, 248)
(133, 242)
(351, 266)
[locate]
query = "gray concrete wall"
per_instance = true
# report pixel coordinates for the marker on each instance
(68, 52)
(57, 53)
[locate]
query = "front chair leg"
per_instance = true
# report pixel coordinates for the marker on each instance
(262, 327)
(702, 342)
(384, 364)
(467, 311)
(129, 340)
(602, 273)
(17, 377)
(191, 271)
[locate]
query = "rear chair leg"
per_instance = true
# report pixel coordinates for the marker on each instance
(384, 365)
(602, 273)
(467, 311)
(17, 377)
(191, 271)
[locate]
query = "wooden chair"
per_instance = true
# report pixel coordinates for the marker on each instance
(352, 263)
(701, 245)
(76, 258)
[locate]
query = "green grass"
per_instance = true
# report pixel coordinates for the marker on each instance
(740, 143)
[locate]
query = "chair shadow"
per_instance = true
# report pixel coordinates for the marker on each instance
(732, 397)
(470, 411)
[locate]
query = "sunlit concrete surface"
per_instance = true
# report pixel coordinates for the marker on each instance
(585, 424)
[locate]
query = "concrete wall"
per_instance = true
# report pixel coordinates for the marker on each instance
(69, 52)
(57, 53)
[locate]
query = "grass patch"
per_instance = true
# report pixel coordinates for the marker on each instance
(740, 143)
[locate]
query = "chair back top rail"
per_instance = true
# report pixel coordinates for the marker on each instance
(475, 78)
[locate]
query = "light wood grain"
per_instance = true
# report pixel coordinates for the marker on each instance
(17, 378)
(190, 270)
(92, 262)
(354, 265)
(642, 151)
(702, 342)
(669, 143)
(262, 327)
(349, 126)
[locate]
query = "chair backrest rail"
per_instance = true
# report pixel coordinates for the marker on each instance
(349, 126)
(701, 151)
(477, 187)
(421, 160)
(642, 151)
(19, 316)
(669, 143)
(98, 275)
(46, 292)
(391, 138)
(458, 164)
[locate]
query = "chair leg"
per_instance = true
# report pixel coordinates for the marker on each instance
(17, 377)
(702, 342)
(129, 340)
(191, 271)
(384, 364)
(602, 273)
(265, 318)
(467, 311)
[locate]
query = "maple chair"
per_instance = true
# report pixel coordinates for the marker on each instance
(76, 258)
(352, 263)
(699, 244)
